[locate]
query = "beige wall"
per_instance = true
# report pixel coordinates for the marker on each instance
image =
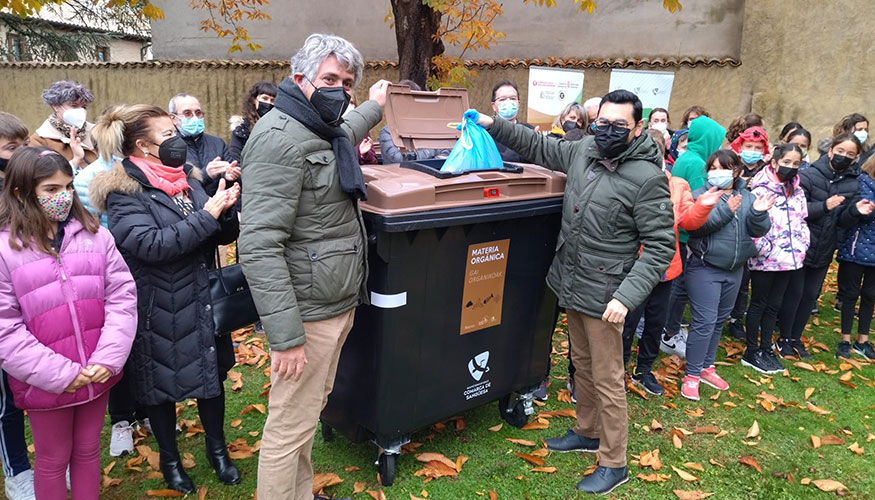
(125, 51)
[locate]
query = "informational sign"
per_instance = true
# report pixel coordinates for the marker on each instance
(652, 87)
(484, 285)
(550, 90)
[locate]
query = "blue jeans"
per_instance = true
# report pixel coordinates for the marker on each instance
(712, 294)
(13, 448)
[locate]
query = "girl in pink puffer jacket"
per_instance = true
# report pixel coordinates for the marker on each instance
(68, 315)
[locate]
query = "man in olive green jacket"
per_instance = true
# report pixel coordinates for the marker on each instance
(616, 203)
(303, 246)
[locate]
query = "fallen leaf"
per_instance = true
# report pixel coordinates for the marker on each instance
(677, 441)
(436, 469)
(829, 485)
(655, 425)
(805, 366)
(188, 461)
(432, 457)
(768, 405)
(698, 413)
(460, 461)
(496, 428)
(654, 477)
(202, 493)
(650, 459)
(856, 448)
(108, 468)
(358, 487)
(523, 442)
(377, 495)
(808, 392)
(236, 422)
(531, 459)
(695, 466)
(548, 470)
(754, 430)
(715, 463)
(686, 476)
(165, 493)
(751, 462)
(847, 376)
(832, 440)
(322, 481)
(815, 442)
(543, 452)
(708, 429)
(715, 397)
(536, 426)
(805, 481)
(237, 378)
(721, 434)
(109, 482)
(816, 409)
(691, 495)
(493, 495)
(256, 407)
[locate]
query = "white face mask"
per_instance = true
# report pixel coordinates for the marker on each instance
(75, 117)
(661, 126)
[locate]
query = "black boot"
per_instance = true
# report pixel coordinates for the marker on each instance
(163, 421)
(217, 456)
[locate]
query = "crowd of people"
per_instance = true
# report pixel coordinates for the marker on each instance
(108, 231)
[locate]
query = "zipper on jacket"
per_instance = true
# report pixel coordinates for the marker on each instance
(737, 239)
(854, 244)
(77, 332)
(790, 231)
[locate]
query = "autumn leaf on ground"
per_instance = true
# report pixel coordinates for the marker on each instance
(691, 495)
(754, 430)
(358, 487)
(751, 462)
(538, 461)
(460, 461)
(654, 477)
(165, 493)
(548, 470)
(564, 396)
(523, 442)
(109, 467)
(816, 409)
(496, 428)
(815, 442)
(686, 476)
(829, 485)
(650, 459)
(493, 495)
(768, 405)
(808, 392)
(109, 482)
(256, 407)
(805, 366)
(438, 457)
(188, 461)
(237, 378)
(655, 425)
(832, 440)
(536, 426)
(856, 448)
(376, 495)
(352, 468)
(708, 429)
(715, 463)
(322, 481)
(697, 413)
(695, 466)
(542, 452)
(202, 493)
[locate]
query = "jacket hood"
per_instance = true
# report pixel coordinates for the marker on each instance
(125, 179)
(705, 137)
(767, 178)
(234, 122)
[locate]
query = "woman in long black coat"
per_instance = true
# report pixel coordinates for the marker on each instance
(167, 229)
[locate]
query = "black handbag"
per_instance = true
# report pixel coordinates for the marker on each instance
(232, 304)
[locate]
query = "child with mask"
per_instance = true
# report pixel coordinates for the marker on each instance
(751, 146)
(780, 253)
(719, 250)
(58, 260)
(832, 191)
(801, 138)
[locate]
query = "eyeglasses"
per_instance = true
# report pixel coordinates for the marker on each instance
(189, 114)
(503, 99)
(603, 123)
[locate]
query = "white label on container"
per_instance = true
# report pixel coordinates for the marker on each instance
(388, 301)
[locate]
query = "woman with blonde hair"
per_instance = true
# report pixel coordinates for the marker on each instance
(572, 117)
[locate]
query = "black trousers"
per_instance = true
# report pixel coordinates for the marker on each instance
(163, 420)
(856, 281)
(799, 299)
(654, 310)
(766, 296)
(121, 402)
(740, 308)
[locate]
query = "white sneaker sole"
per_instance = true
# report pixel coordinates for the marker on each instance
(751, 365)
(120, 453)
(709, 384)
(608, 492)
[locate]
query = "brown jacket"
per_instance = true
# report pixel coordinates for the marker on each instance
(50, 137)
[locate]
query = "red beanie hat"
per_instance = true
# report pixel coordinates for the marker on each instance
(753, 134)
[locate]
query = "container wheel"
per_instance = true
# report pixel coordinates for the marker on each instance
(386, 468)
(515, 416)
(327, 432)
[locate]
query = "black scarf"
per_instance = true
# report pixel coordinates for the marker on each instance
(291, 101)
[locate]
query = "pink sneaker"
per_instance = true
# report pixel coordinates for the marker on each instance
(690, 387)
(710, 377)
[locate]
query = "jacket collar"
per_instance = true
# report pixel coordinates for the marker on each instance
(47, 131)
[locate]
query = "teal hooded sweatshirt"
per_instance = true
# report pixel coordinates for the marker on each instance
(704, 138)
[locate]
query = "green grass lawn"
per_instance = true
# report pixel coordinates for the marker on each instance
(783, 448)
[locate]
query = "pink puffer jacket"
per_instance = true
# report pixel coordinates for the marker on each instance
(59, 314)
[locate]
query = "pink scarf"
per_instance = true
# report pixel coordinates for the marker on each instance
(171, 180)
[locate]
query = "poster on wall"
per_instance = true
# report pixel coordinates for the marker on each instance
(652, 87)
(550, 90)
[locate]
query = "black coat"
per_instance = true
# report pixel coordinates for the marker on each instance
(175, 354)
(510, 155)
(239, 136)
(819, 182)
(202, 149)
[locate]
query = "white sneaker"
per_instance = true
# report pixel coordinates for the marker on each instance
(20, 487)
(676, 345)
(122, 442)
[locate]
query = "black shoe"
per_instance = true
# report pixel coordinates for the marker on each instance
(648, 382)
(864, 349)
(541, 392)
(800, 349)
(604, 480)
(774, 362)
(736, 329)
(572, 442)
(757, 360)
(217, 456)
(844, 350)
(784, 347)
(838, 306)
(174, 475)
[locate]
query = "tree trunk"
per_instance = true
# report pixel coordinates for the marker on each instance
(416, 28)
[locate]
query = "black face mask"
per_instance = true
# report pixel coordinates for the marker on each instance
(330, 103)
(173, 151)
(840, 163)
(611, 140)
(263, 108)
(786, 174)
(569, 125)
(3, 163)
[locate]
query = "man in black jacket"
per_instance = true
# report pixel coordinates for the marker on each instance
(205, 151)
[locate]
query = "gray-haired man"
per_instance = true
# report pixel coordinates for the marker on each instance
(302, 246)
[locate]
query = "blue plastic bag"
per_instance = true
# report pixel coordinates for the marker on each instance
(475, 149)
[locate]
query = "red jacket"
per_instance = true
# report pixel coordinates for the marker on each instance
(688, 215)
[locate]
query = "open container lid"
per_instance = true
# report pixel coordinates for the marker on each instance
(418, 119)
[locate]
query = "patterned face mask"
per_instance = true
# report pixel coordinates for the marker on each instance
(57, 206)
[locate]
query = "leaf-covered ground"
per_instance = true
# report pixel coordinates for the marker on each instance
(781, 437)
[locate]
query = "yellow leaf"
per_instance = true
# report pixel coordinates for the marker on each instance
(691, 495)
(829, 485)
(716, 463)
(815, 441)
(496, 428)
(109, 467)
(430, 457)
(654, 477)
(538, 461)
(543, 452)
(202, 493)
(805, 366)
(548, 470)
(676, 441)
(655, 425)
(165, 493)
(523, 442)
(651, 459)
(765, 403)
(695, 466)
(856, 448)
(460, 461)
(805, 481)
(322, 481)
(536, 426)
(236, 422)
(358, 487)
(686, 476)
(808, 392)
(754, 430)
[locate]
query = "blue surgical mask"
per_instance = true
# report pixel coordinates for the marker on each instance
(862, 135)
(721, 179)
(191, 126)
(508, 109)
(751, 157)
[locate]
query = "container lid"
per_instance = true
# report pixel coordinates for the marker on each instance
(418, 119)
(393, 190)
